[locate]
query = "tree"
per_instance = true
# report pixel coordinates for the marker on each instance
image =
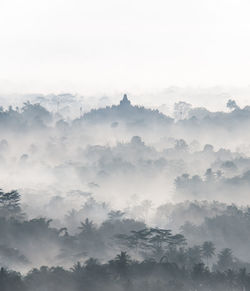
(194, 255)
(231, 104)
(121, 264)
(225, 259)
(242, 278)
(87, 227)
(115, 215)
(137, 239)
(10, 204)
(181, 110)
(10, 280)
(177, 240)
(77, 268)
(209, 175)
(35, 114)
(208, 249)
(158, 241)
(200, 274)
(181, 145)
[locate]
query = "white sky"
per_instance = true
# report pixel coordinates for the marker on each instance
(107, 45)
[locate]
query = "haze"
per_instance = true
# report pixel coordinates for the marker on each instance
(113, 46)
(124, 145)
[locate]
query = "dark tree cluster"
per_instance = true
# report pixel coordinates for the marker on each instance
(148, 258)
(124, 273)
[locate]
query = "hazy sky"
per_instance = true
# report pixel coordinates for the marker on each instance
(108, 45)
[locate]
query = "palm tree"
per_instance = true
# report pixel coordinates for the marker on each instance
(121, 263)
(208, 249)
(87, 227)
(77, 268)
(115, 215)
(225, 259)
(123, 258)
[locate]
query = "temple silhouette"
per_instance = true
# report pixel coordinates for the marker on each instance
(132, 115)
(125, 101)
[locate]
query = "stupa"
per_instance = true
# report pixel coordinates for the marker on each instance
(125, 101)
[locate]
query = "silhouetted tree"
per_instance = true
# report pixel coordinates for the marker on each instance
(121, 264)
(225, 259)
(87, 227)
(208, 249)
(10, 204)
(115, 215)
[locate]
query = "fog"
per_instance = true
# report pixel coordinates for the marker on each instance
(123, 194)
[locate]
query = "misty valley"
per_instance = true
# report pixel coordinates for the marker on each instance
(122, 196)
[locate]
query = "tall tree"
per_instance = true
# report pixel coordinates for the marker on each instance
(87, 227)
(225, 259)
(10, 204)
(208, 249)
(121, 264)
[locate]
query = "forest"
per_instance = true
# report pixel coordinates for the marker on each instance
(147, 257)
(123, 197)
